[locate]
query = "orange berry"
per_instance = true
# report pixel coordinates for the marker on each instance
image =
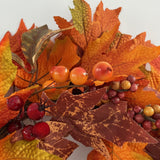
(49, 83)
(59, 73)
(156, 108)
(102, 71)
(125, 84)
(78, 76)
(148, 111)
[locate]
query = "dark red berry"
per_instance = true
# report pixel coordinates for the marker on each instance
(134, 87)
(147, 125)
(111, 93)
(27, 133)
(156, 116)
(41, 130)
(137, 109)
(115, 100)
(131, 78)
(35, 111)
(15, 103)
(139, 118)
(105, 96)
(130, 113)
(157, 123)
(121, 95)
(13, 126)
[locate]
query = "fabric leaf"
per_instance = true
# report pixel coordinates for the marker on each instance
(81, 16)
(7, 68)
(21, 150)
(64, 53)
(107, 18)
(97, 47)
(142, 97)
(34, 41)
(129, 151)
(55, 144)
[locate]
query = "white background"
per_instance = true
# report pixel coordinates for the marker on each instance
(136, 16)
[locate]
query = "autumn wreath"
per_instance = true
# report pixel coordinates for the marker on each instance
(91, 83)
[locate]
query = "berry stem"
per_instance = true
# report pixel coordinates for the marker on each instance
(60, 87)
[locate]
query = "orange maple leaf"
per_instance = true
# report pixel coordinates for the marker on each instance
(129, 151)
(125, 60)
(142, 97)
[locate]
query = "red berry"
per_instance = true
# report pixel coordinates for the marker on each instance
(111, 93)
(27, 133)
(35, 111)
(134, 87)
(147, 125)
(131, 78)
(139, 118)
(157, 123)
(130, 113)
(41, 130)
(15, 103)
(156, 116)
(121, 95)
(137, 109)
(115, 100)
(13, 126)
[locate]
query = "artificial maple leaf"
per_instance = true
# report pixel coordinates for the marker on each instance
(142, 98)
(107, 18)
(5, 112)
(64, 53)
(129, 151)
(152, 75)
(7, 68)
(15, 42)
(23, 79)
(81, 16)
(30, 150)
(90, 125)
(131, 55)
(54, 143)
(153, 150)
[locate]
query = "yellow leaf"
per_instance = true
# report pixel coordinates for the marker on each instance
(7, 68)
(81, 16)
(23, 150)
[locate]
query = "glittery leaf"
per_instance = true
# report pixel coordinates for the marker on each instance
(7, 68)
(21, 150)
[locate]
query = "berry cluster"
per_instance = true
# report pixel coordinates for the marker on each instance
(148, 118)
(35, 111)
(117, 89)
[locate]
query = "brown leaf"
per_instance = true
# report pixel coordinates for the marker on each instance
(54, 143)
(153, 150)
(74, 106)
(34, 41)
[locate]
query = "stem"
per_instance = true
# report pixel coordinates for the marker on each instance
(28, 81)
(71, 86)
